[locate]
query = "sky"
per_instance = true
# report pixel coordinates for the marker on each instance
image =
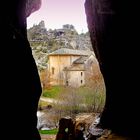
(56, 13)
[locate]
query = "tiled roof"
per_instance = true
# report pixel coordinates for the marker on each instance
(65, 51)
(75, 68)
(81, 60)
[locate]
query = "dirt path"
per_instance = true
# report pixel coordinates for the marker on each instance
(47, 137)
(49, 100)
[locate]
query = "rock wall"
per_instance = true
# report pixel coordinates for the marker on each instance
(20, 83)
(114, 32)
(113, 35)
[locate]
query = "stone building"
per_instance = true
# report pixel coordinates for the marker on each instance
(68, 67)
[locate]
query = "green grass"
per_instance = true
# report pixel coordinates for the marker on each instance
(42, 103)
(49, 132)
(52, 92)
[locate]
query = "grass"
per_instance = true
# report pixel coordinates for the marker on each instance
(49, 132)
(42, 103)
(52, 92)
(93, 98)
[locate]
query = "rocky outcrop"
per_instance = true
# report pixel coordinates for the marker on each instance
(80, 128)
(66, 129)
(45, 41)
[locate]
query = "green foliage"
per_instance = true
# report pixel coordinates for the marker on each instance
(52, 92)
(49, 132)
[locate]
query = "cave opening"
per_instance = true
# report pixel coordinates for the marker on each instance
(115, 33)
(71, 79)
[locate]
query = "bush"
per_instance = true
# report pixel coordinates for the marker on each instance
(79, 100)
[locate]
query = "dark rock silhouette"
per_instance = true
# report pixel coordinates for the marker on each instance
(113, 35)
(20, 83)
(66, 129)
(113, 28)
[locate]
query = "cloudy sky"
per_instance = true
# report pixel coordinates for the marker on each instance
(56, 13)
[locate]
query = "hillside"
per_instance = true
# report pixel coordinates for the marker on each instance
(45, 41)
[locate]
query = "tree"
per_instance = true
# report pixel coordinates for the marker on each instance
(95, 83)
(45, 77)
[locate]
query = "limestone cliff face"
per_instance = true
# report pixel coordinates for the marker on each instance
(45, 41)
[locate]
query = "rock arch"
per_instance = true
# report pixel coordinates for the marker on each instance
(113, 33)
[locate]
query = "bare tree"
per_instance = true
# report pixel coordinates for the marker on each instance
(45, 77)
(95, 84)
